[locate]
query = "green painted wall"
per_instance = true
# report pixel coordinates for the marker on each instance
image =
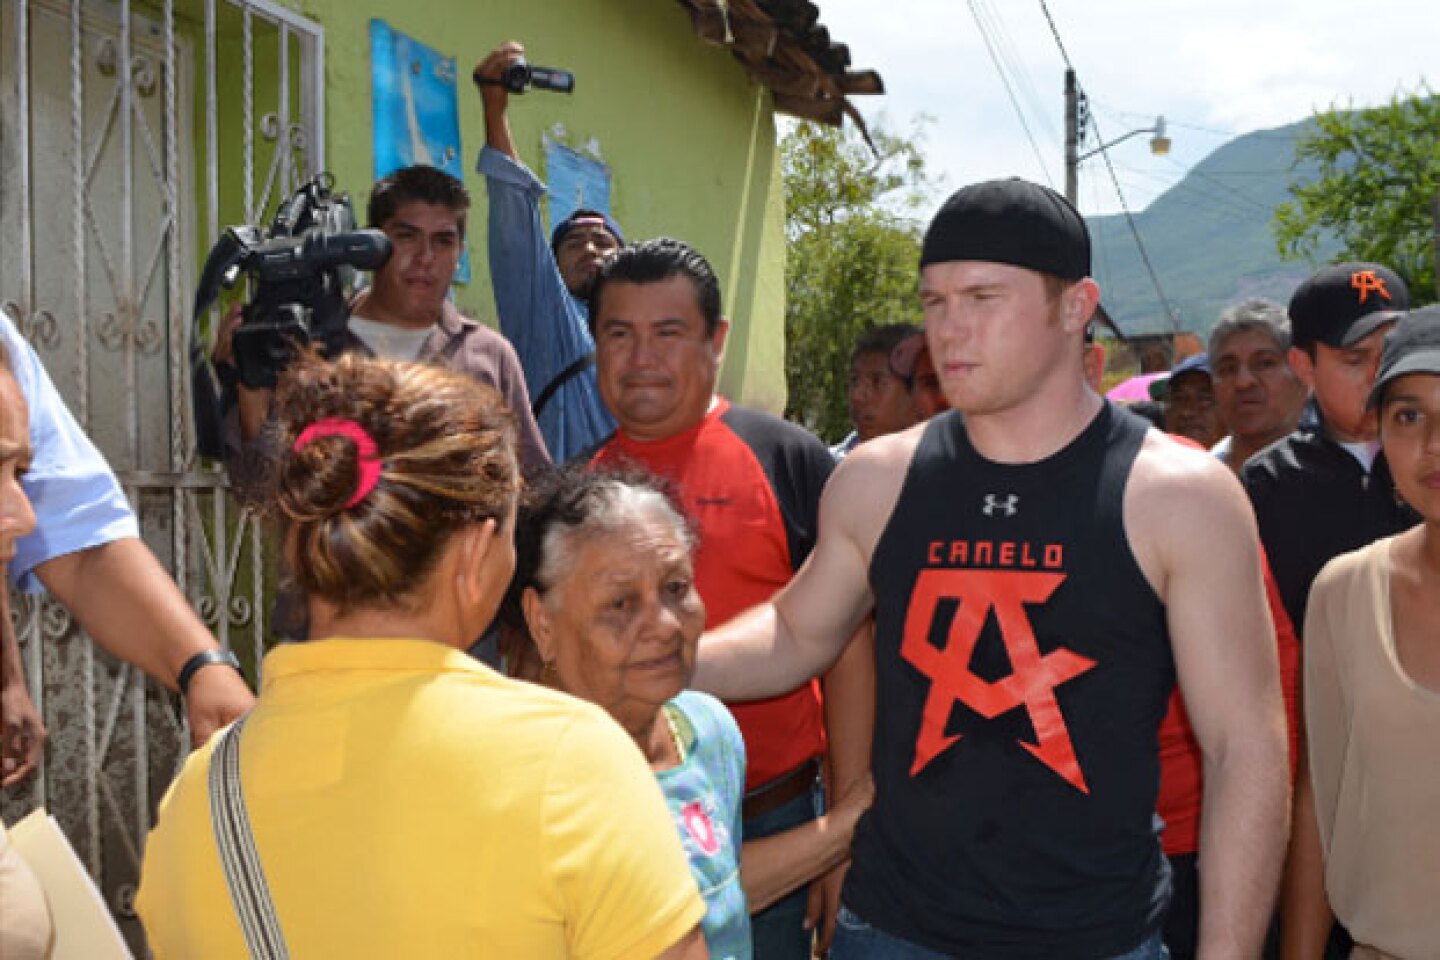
(689, 138)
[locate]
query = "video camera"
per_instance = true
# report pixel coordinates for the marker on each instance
(302, 269)
(522, 75)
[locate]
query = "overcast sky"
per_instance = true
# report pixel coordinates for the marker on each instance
(1213, 68)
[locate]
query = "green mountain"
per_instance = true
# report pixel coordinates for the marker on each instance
(1208, 238)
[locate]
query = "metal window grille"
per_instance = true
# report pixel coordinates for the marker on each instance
(131, 134)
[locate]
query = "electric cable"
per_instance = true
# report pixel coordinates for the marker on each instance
(1019, 112)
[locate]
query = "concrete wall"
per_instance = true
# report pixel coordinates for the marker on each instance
(689, 138)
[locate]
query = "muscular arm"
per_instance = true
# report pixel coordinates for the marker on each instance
(774, 647)
(127, 602)
(1195, 537)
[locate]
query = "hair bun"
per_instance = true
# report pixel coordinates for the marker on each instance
(319, 480)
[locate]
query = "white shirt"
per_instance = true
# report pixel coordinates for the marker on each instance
(388, 341)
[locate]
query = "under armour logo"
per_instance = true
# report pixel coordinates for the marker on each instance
(1010, 505)
(1365, 282)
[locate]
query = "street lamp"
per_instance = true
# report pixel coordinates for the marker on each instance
(1074, 125)
(1159, 143)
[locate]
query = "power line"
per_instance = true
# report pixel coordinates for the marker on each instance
(1016, 65)
(1135, 232)
(1177, 190)
(1019, 112)
(1055, 32)
(1119, 194)
(1197, 172)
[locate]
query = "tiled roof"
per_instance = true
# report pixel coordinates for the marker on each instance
(784, 46)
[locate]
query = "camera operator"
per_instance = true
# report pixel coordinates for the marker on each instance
(405, 313)
(541, 288)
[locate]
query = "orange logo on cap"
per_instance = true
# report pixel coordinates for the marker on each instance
(1366, 282)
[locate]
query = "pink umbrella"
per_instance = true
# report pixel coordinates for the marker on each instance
(1136, 388)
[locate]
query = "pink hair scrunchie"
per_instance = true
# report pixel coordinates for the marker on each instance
(366, 452)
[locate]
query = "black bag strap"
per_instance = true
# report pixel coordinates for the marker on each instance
(238, 856)
(561, 378)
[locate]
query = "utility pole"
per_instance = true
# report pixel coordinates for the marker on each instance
(1072, 137)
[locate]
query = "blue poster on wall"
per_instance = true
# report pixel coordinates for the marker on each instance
(575, 181)
(416, 110)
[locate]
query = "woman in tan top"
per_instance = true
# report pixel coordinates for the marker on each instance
(1367, 811)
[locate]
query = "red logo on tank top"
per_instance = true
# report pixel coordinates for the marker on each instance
(701, 830)
(1033, 676)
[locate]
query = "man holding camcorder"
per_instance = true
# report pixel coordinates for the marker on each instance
(542, 284)
(405, 313)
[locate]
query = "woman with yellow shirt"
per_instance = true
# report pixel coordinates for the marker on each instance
(396, 798)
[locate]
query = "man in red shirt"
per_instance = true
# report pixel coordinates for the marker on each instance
(751, 483)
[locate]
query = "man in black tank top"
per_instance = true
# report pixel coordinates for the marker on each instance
(1041, 566)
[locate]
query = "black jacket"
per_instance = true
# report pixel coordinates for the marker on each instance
(1314, 502)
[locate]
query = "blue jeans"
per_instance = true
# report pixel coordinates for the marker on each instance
(857, 940)
(777, 930)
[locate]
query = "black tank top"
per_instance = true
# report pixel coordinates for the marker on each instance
(1023, 666)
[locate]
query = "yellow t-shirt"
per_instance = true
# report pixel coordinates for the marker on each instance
(409, 802)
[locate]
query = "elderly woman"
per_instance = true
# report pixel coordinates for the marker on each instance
(605, 588)
(1367, 840)
(389, 796)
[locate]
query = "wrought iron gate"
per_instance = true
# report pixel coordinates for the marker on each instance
(131, 133)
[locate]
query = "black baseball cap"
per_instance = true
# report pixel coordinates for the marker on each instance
(1345, 303)
(1412, 347)
(1010, 221)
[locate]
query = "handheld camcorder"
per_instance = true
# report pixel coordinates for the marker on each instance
(521, 76)
(301, 270)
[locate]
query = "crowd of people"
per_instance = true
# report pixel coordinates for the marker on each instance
(1009, 672)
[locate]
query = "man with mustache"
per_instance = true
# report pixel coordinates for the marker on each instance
(751, 483)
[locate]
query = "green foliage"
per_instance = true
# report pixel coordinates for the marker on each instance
(1379, 171)
(853, 256)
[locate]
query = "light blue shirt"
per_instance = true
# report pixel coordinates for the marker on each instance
(547, 326)
(78, 502)
(704, 794)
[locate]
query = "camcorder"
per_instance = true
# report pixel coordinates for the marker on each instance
(301, 272)
(521, 76)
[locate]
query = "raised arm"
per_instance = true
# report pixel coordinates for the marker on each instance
(495, 98)
(1196, 537)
